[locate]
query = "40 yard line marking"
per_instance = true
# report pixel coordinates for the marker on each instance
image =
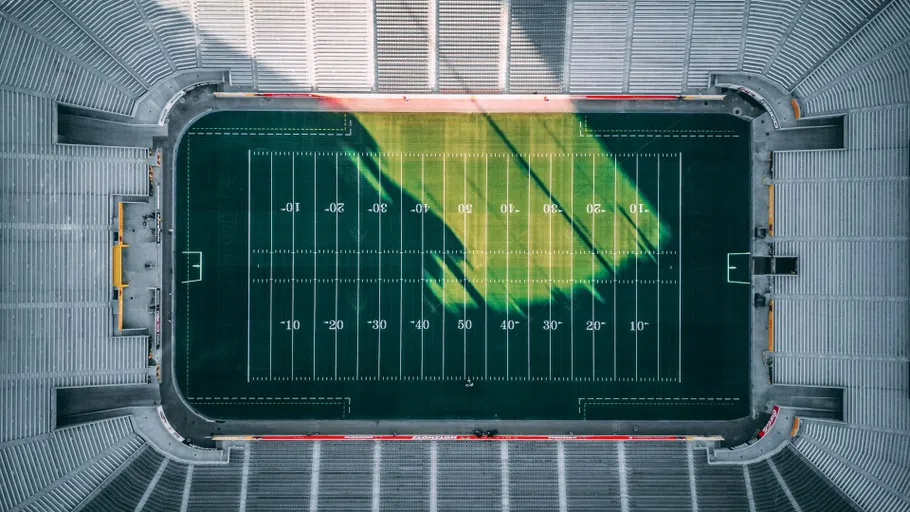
(423, 256)
(508, 257)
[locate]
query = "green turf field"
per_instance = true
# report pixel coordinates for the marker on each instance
(511, 266)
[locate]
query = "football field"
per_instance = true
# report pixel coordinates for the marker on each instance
(511, 266)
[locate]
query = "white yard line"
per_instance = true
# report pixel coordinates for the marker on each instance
(379, 268)
(486, 265)
(658, 268)
(593, 250)
(423, 256)
(679, 282)
(315, 215)
(271, 254)
(293, 255)
(357, 311)
(572, 271)
(400, 267)
(508, 257)
(464, 275)
(249, 257)
(528, 283)
(615, 265)
(550, 227)
(637, 253)
(442, 215)
(336, 268)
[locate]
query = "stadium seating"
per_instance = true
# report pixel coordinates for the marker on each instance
(843, 212)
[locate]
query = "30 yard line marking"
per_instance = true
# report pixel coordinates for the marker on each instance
(315, 215)
(336, 268)
(379, 268)
(293, 255)
(357, 311)
(249, 257)
(271, 254)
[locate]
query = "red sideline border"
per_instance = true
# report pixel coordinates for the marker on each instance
(461, 437)
(764, 431)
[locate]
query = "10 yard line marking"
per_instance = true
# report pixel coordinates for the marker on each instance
(271, 255)
(336, 268)
(249, 256)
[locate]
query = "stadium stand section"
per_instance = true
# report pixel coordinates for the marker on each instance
(841, 323)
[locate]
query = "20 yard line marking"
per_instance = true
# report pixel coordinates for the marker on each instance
(271, 254)
(249, 256)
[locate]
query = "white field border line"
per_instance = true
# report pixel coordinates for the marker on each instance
(249, 258)
(731, 267)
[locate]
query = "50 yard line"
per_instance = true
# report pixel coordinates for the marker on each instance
(357, 311)
(249, 256)
(315, 215)
(271, 254)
